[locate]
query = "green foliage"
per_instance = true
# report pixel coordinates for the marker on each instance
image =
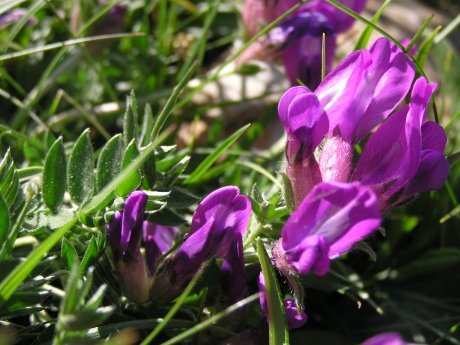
(80, 178)
(70, 76)
(54, 175)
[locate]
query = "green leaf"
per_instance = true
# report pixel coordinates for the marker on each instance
(150, 171)
(85, 319)
(9, 180)
(109, 162)
(54, 175)
(80, 176)
(69, 254)
(288, 193)
(207, 163)
(4, 221)
(277, 327)
(89, 256)
(174, 172)
(129, 119)
(179, 198)
(134, 180)
(432, 262)
(425, 47)
(366, 35)
(166, 217)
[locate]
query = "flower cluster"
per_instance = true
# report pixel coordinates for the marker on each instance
(403, 157)
(298, 38)
(339, 205)
(218, 225)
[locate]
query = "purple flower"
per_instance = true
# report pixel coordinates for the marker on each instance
(15, 16)
(405, 156)
(299, 36)
(389, 338)
(125, 232)
(293, 317)
(218, 225)
(328, 222)
(402, 158)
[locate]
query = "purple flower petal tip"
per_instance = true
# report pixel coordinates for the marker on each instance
(328, 222)
(389, 338)
(133, 217)
(218, 225)
(294, 319)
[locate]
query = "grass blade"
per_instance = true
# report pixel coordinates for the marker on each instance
(277, 328)
(211, 321)
(206, 164)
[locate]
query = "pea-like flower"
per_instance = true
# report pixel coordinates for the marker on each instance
(403, 157)
(125, 232)
(328, 222)
(298, 38)
(217, 229)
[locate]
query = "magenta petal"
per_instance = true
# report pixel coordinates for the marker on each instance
(310, 255)
(114, 232)
(433, 137)
(294, 319)
(303, 119)
(234, 273)
(333, 216)
(431, 174)
(389, 79)
(218, 220)
(133, 216)
(263, 294)
(389, 338)
(384, 152)
(158, 240)
(337, 91)
(194, 251)
(339, 20)
(227, 207)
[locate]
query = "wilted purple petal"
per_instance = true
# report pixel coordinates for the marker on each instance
(221, 216)
(293, 318)
(389, 338)
(233, 270)
(133, 217)
(158, 240)
(333, 216)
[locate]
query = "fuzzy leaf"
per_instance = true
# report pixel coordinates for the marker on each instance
(109, 162)
(54, 175)
(134, 180)
(80, 177)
